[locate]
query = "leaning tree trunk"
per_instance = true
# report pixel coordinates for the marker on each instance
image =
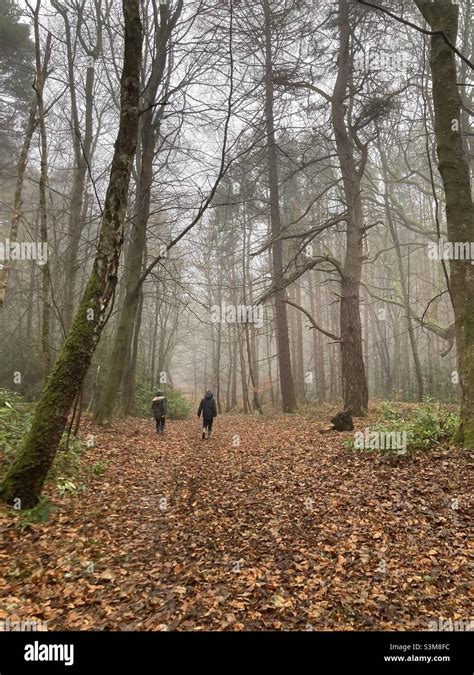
(454, 169)
(26, 476)
(354, 381)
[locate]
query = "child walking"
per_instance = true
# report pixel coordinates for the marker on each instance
(208, 409)
(158, 407)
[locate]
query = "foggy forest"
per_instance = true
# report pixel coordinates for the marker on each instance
(236, 315)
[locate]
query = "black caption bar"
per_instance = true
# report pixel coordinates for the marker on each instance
(312, 652)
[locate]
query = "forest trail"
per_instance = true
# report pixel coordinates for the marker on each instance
(287, 530)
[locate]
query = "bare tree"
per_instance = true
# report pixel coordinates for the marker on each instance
(26, 476)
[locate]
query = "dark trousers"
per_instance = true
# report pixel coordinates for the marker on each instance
(207, 423)
(160, 424)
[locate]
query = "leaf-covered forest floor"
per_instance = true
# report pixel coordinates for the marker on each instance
(289, 530)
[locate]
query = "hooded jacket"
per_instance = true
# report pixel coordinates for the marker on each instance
(158, 406)
(208, 407)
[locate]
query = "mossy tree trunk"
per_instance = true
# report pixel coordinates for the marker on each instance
(149, 127)
(454, 169)
(26, 476)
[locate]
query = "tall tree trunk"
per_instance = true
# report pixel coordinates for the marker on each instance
(21, 170)
(243, 376)
(299, 347)
(355, 392)
(136, 248)
(247, 299)
(27, 474)
(133, 266)
(233, 330)
(396, 373)
(403, 279)
(128, 394)
(153, 349)
(270, 371)
(366, 339)
(31, 297)
(318, 347)
(82, 144)
(229, 370)
(17, 199)
(454, 170)
(43, 186)
(335, 355)
(233, 388)
(284, 359)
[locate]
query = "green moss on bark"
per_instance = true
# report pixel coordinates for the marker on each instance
(27, 474)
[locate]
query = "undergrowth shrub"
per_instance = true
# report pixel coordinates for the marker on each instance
(428, 426)
(15, 419)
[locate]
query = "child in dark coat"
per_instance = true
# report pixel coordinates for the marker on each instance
(158, 407)
(208, 409)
